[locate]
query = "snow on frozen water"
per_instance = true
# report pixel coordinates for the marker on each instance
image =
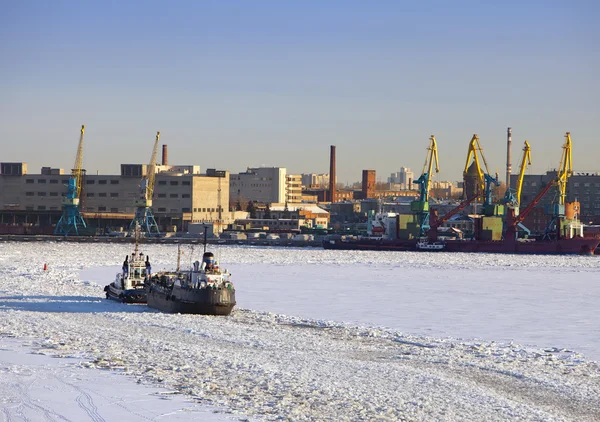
(35, 387)
(331, 335)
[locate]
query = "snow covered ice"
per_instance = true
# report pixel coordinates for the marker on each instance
(316, 336)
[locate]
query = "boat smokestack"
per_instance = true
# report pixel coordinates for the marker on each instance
(332, 174)
(165, 155)
(508, 158)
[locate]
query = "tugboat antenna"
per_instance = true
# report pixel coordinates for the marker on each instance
(205, 229)
(137, 237)
(178, 257)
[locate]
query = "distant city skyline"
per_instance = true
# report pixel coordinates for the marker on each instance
(276, 83)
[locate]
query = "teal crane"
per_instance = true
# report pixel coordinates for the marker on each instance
(144, 217)
(71, 221)
(421, 206)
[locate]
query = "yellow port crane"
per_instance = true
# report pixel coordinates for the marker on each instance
(483, 180)
(512, 197)
(474, 146)
(557, 209)
(71, 221)
(526, 160)
(421, 206)
(144, 218)
(565, 170)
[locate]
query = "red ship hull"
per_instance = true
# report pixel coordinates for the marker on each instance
(575, 246)
(367, 244)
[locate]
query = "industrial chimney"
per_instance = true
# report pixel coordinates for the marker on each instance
(165, 155)
(508, 159)
(332, 174)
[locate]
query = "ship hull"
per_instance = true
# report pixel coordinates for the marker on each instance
(205, 301)
(575, 246)
(126, 296)
(371, 245)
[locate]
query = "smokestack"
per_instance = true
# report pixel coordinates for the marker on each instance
(165, 155)
(508, 159)
(332, 174)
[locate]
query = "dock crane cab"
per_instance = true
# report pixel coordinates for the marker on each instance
(144, 217)
(421, 206)
(71, 221)
(557, 209)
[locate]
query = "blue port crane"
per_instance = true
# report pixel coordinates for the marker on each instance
(421, 206)
(71, 221)
(144, 217)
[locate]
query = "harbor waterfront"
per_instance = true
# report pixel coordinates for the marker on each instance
(513, 336)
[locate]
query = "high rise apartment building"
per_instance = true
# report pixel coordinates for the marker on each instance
(402, 180)
(259, 184)
(313, 180)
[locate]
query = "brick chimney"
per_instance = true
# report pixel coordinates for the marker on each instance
(332, 192)
(165, 155)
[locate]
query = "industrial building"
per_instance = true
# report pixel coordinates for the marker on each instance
(583, 188)
(182, 195)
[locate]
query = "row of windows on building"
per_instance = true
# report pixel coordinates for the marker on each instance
(105, 182)
(254, 185)
(104, 209)
(105, 195)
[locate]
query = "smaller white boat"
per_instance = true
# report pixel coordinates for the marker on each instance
(425, 245)
(129, 285)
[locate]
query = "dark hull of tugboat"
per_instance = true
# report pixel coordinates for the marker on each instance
(371, 244)
(125, 296)
(191, 301)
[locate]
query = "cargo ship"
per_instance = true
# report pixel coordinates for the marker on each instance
(577, 245)
(580, 246)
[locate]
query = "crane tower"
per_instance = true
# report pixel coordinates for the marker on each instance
(71, 221)
(557, 209)
(421, 206)
(143, 211)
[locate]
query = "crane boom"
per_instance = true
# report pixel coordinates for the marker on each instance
(565, 170)
(431, 157)
(151, 172)
(77, 171)
(144, 217)
(435, 221)
(71, 221)
(425, 179)
(519, 218)
(421, 206)
(524, 162)
(474, 146)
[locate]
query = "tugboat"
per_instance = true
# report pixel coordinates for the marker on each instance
(129, 284)
(206, 289)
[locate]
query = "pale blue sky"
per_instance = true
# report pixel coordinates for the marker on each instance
(237, 84)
